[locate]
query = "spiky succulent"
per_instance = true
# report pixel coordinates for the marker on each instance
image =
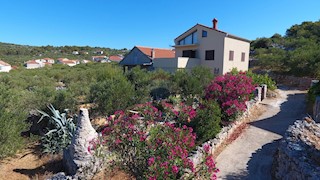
(59, 131)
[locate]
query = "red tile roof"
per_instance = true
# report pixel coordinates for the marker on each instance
(158, 53)
(115, 58)
(31, 62)
(4, 63)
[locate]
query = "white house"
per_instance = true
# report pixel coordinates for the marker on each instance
(4, 67)
(33, 64)
(207, 46)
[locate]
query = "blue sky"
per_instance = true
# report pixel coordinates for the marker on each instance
(126, 23)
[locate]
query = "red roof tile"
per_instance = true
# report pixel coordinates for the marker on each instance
(4, 63)
(31, 62)
(115, 58)
(158, 53)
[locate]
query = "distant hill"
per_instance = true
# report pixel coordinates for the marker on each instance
(16, 54)
(296, 53)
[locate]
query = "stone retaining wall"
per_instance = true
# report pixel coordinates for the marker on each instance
(224, 134)
(299, 82)
(298, 155)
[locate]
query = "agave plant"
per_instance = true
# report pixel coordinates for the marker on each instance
(59, 131)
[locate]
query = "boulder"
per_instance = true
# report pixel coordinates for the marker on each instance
(77, 160)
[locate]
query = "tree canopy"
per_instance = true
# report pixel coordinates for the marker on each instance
(295, 53)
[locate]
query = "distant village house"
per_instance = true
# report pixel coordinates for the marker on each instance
(145, 57)
(4, 67)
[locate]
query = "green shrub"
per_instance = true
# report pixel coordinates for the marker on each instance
(258, 79)
(190, 85)
(112, 94)
(59, 131)
(141, 80)
(206, 124)
(262, 79)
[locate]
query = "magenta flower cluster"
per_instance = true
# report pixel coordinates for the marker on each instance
(150, 149)
(170, 147)
(231, 92)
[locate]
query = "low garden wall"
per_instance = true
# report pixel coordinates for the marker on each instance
(298, 155)
(225, 133)
(299, 82)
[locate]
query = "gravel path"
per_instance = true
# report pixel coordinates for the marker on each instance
(250, 156)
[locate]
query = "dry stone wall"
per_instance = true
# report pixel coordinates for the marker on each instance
(298, 155)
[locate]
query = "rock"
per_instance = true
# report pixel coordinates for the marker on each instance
(298, 156)
(77, 160)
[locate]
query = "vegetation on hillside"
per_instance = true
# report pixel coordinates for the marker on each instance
(17, 54)
(295, 53)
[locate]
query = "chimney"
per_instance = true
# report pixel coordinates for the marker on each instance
(153, 53)
(215, 23)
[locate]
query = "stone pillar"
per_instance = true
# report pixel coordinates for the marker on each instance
(77, 160)
(316, 109)
(257, 94)
(264, 91)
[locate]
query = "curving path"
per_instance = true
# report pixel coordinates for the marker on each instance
(250, 156)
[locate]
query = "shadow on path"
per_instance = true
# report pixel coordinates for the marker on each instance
(260, 163)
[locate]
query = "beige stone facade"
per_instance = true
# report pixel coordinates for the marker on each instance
(210, 47)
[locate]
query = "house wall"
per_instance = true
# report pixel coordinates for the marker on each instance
(238, 47)
(5, 68)
(135, 57)
(33, 66)
(213, 41)
(172, 64)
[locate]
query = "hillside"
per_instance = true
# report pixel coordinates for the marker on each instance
(296, 53)
(17, 54)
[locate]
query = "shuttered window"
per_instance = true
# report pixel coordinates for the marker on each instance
(243, 57)
(231, 55)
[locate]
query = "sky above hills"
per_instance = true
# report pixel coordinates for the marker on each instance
(126, 23)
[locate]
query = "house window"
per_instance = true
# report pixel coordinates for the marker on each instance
(189, 53)
(204, 33)
(190, 39)
(231, 55)
(243, 57)
(210, 55)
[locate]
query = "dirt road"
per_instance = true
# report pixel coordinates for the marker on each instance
(250, 156)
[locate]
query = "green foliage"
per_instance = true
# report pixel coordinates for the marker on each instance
(17, 54)
(313, 92)
(259, 79)
(23, 91)
(297, 53)
(112, 94)
(59, 131)
(191, 84)
(206, 124)
(141, 80)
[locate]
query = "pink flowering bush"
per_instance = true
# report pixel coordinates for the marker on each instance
(125, 135)
(147, 149)
(207, 168)
(170, 147)
(231, 92)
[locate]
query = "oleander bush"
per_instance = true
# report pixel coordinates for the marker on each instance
(231, 92)
(148, 149)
